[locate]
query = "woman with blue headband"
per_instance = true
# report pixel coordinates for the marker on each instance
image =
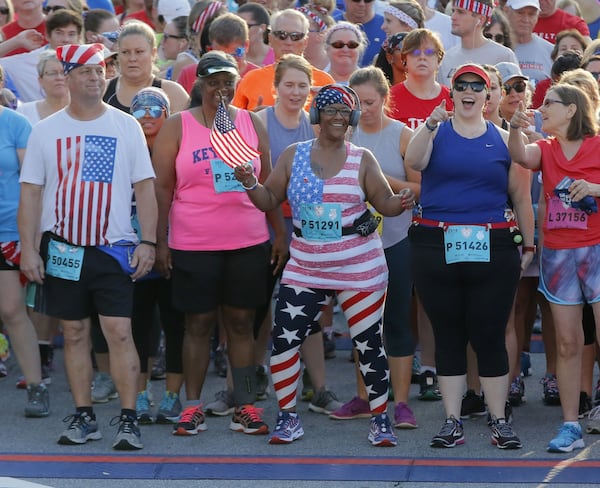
(334, 250)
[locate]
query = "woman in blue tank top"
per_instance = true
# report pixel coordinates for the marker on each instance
(465, 261)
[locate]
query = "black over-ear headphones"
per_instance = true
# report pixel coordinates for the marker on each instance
(315, 115)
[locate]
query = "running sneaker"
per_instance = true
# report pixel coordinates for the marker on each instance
(430, 391)
(525, 364)
(593, 425)
(503, 435)
(247, 419)
(142, 408)
(550, 389)
(262, 383)
(585, 404)
(325, 402)
(450, 435)
(191, 421)
(103, 388)
(46, 379)
(223, 404)
(82, 428)
(169, 408)
(128, 436)
(38, 401)
(307, 388)
(287, 429)
(404, 418)
(473, 405)
(357, 408)
(569, 437)
(508, 415)
(381, 433)
(516, 394)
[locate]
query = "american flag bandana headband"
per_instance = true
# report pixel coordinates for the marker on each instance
(313, 16)
(475, 7)
(334, 94)
(207, 14)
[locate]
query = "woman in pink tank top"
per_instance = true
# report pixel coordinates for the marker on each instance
(217, 246)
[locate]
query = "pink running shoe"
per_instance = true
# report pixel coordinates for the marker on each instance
(404, 418)
(357, 408)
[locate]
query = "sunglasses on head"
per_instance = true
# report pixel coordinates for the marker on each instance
(4, 11)
(358, 1)
(153, 111)
(499, 38)
(476, 86)
(341, 44)
(518, 86)
(47, 9)
(283, 35)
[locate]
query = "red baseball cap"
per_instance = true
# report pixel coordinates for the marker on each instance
(472, 68)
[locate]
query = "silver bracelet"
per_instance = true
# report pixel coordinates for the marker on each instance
(248, 188)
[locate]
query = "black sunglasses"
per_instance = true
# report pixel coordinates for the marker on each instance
(476, 86)
(341, 44)
(499, 38)
(166, 36)
(358, 1)
(518, 86)
(4, 10)
(283, 35)
(47, 9)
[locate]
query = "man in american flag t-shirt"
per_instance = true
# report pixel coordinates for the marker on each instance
(76, 185)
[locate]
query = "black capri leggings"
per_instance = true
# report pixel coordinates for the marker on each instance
(151, 302)
(467, 301)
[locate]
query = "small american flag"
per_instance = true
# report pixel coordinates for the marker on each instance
(227, 142)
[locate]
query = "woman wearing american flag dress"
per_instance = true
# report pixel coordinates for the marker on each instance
(334, 250)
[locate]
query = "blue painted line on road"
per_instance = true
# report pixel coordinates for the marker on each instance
(299, 468)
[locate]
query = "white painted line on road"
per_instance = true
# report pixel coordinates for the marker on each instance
(15, 483)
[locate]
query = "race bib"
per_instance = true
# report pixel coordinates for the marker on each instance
(321, 221)
(467, 243)
(223, 177)
(562, 216)
(64, 261)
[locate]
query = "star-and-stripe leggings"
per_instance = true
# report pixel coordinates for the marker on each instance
(297, 314)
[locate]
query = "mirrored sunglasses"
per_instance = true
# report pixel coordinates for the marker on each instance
(425, 52)
(283, 35)
(153, 111)
(476, 86)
